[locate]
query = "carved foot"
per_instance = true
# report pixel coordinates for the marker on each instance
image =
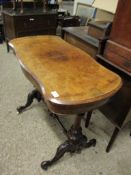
(61, 150)
(76, 141)
(79, 139)
(31, 96)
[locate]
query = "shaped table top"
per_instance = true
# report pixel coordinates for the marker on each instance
(65, 75)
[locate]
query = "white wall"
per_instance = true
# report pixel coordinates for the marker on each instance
(109, 6)
(81, 1)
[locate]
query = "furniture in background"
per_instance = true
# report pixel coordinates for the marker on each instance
(86, 13)
(99, 29)
(52, 74)
(29, 4)
(1, 30)
(68, 21)
(78, 36)
(117, 57)
(44, 5)
(92, 38)
(88, 38)
(2, 3)
(31, 22)
(15, 4)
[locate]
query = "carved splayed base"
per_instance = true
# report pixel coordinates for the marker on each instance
(76, 140)
(75, 143)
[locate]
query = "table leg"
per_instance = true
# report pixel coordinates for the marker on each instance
(31, 96)
(76, 141)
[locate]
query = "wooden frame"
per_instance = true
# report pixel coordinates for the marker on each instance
(86, 12)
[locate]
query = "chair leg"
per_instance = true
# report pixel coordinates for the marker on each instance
(113, 137)
(88, 117)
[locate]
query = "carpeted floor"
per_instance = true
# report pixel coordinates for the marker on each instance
(33, 136)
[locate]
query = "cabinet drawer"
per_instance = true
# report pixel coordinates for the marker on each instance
(34, 22)
(119, 55)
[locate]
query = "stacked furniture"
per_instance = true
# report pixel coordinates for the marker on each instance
(88, 38)
(78, 37)
(30, 22)
(99, 29)
(117, 57)
(91, 37)
(113, 51)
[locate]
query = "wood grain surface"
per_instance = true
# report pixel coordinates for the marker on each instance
(67, 77)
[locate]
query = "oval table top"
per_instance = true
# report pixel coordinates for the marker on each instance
(66, 75)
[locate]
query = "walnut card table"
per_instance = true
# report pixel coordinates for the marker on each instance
(68, 80)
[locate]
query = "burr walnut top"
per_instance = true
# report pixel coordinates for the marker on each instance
(65, 74)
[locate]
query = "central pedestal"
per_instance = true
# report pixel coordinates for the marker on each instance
(76, 141)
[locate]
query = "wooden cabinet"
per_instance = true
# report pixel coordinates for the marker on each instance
(117, 57)
(78, 36)
(31, 22)
(118, 48)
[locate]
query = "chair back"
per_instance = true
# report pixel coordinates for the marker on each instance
(86, 12)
